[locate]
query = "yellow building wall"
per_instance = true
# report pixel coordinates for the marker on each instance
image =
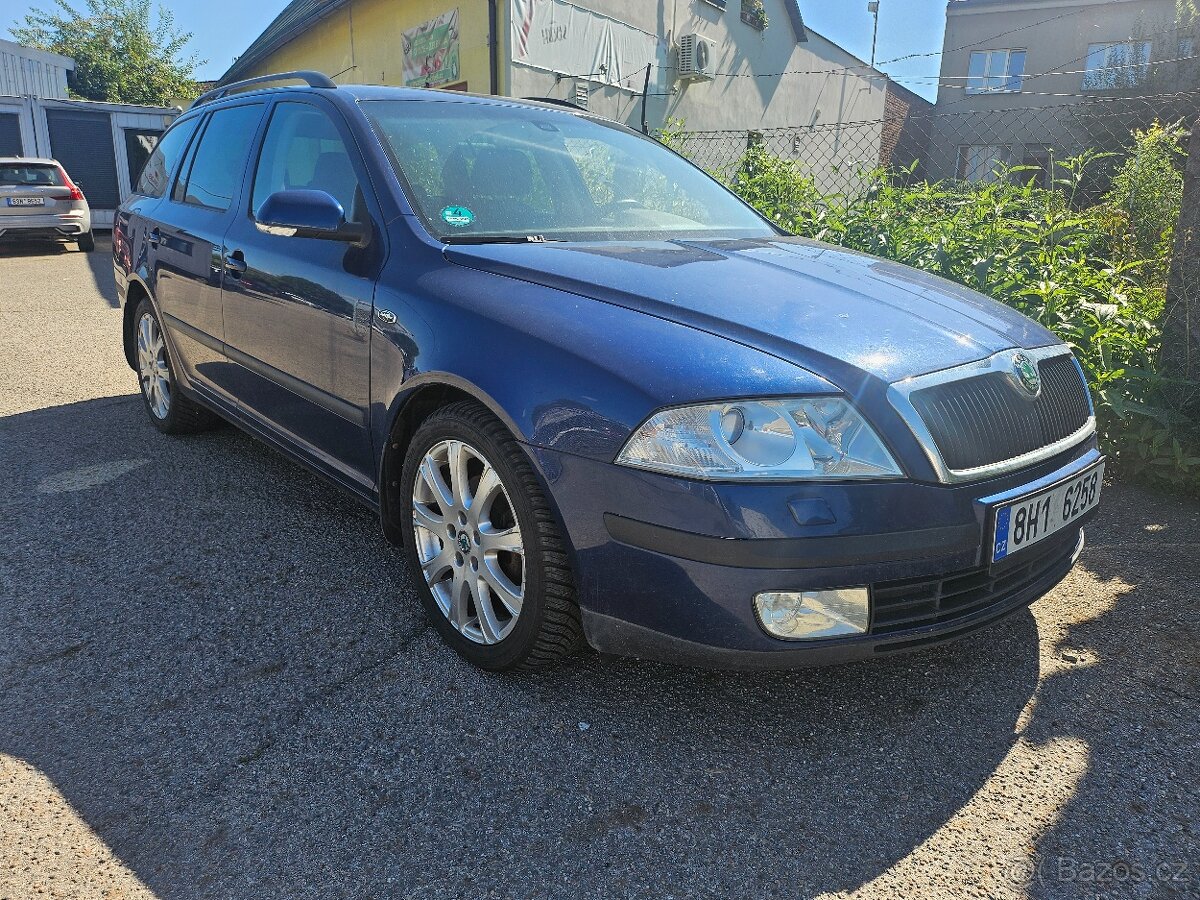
(363, 41)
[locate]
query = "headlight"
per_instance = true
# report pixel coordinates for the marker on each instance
(798, 438)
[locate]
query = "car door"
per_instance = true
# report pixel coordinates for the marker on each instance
(187, 240)
(136, 217)
(297, 317)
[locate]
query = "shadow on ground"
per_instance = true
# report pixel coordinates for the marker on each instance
(217, 660)
(99, 261)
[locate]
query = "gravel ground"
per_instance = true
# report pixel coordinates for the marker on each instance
(216, 681)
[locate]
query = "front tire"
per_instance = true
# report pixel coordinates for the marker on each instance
(169, 410)
(487, 554)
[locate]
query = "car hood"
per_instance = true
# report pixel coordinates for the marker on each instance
(835, 312)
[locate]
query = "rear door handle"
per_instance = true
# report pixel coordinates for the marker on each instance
(154, 237)
(235, 264)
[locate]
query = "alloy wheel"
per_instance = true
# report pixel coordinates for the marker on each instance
(468, 541)
(153, 369)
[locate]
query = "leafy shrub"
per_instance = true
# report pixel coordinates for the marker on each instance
(1147, 191)
(1096, 276)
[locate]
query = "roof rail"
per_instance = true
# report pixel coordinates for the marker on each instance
(313, 79)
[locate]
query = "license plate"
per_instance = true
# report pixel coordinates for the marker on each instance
(1034, 518)
(26, 201)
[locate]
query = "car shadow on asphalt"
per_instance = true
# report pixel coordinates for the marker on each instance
(218, 661)
(99, 261)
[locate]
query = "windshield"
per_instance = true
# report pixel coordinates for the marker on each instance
(29, 175)
(477, 173)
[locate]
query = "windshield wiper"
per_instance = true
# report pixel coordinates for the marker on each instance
(500, 239)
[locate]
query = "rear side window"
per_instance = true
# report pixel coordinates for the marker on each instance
(162, 162)
(29, 175)
(303, 150)
(216, 170)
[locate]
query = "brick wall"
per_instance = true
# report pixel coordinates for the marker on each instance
(905, 127)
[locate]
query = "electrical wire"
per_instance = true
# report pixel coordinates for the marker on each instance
(925, 79)
(1071, 62)
(838, 70)
(822, 126)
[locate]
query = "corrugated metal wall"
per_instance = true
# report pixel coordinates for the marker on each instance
(25, 72)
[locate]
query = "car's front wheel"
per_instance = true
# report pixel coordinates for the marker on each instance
(488, 555)
(169, 410)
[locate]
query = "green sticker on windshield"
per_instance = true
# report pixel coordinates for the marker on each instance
(458, 216)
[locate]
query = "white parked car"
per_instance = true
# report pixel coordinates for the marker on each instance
(39, 201)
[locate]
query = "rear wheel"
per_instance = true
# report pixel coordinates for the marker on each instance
(489, 558)
(169, 410)
(87, 242)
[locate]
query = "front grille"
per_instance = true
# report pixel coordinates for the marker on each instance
(983, 420)
(920, 602)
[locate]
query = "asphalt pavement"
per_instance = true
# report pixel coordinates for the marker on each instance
(216, 681)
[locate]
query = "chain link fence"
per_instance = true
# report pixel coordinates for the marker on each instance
(948, 144)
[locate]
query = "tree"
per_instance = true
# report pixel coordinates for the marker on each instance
(120, 55)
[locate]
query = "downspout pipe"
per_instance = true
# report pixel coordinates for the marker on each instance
(494, 46)
(645, 96)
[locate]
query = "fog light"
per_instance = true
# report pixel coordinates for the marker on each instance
(807, 615)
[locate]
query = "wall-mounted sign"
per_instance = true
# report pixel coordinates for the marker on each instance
(559, 37)
(431, 56)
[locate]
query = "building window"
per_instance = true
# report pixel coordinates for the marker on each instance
(1187, 48)
(1113, 66)
(979, 162)
(754, 14)
(995, 71)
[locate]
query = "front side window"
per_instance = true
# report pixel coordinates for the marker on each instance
(303, 151)
(995, 71)
(477, 172)
(1111, 67)
(158, 168)
(216, 169)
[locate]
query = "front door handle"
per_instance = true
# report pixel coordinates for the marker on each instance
(235, 264)
(154, 237)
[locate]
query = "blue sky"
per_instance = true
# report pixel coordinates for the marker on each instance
(907, 28)
(223, 28)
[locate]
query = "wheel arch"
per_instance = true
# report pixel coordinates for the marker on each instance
(134, 294)
(427, 394)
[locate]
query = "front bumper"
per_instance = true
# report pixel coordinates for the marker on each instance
(667, 568)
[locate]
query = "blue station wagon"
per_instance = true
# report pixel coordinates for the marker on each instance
(592, 394)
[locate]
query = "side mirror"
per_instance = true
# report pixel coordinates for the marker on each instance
(310, 214)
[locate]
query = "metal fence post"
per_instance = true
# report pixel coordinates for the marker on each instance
(1180, 354)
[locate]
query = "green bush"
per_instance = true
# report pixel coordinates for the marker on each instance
(1095, 276)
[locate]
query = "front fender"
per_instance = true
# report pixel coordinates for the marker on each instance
(564, 372)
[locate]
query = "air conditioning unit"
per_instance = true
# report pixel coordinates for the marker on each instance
(697, 57)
